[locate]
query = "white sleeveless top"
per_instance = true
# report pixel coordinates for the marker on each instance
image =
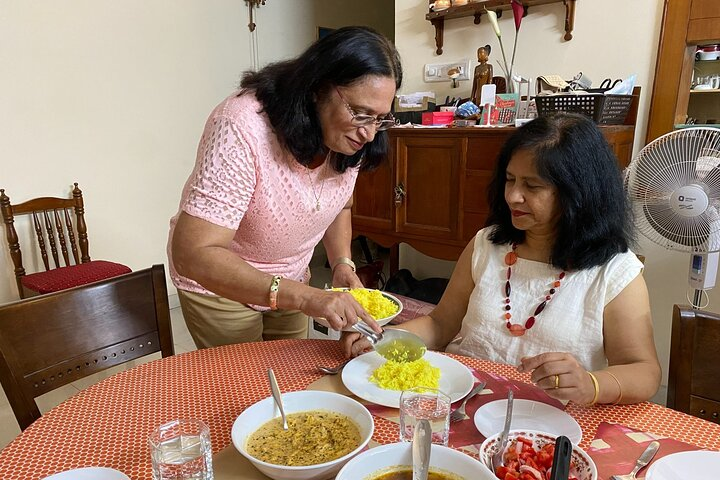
(572, 320)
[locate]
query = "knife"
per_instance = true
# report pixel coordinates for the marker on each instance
(421, 445)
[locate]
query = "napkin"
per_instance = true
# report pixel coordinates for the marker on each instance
(616, 448)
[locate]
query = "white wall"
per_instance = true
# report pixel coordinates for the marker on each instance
(114, 95)
(612, 38)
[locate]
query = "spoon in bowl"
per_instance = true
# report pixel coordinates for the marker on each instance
(277, 397)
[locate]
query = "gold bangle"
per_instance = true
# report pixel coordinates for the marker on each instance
(341, 261)
(596, 385)
(618, 384)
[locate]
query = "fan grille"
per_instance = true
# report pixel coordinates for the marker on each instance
(681, 158)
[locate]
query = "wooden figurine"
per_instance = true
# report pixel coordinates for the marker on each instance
(483, 73)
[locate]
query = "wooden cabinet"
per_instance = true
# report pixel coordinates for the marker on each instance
(685, 24)
(432, 194)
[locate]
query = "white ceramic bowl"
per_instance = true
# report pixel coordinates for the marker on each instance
(392, 298)
(585, 468)
(263, 411)
(386, 458)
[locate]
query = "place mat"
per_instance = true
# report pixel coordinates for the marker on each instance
(616, 448)
(463, 434)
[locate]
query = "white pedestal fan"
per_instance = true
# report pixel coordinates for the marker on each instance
(673, 186)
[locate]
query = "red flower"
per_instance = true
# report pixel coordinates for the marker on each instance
(518, 11)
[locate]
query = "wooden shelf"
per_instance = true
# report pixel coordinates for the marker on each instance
(477, 9)
(715, 90)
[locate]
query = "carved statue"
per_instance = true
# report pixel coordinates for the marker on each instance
(483, 74)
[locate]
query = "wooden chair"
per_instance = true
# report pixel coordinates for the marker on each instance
(54, 229)
(693, 385)
(51, 340)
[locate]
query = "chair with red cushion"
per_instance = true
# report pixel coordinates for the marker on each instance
(55, 236)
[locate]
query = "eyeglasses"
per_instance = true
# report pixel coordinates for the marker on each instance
(362, 120)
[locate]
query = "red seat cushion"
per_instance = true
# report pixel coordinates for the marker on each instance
(412, 308)
(75, 275)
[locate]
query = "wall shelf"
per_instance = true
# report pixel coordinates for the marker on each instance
(477, 8)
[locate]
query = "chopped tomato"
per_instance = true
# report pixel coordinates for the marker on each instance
(525, 455)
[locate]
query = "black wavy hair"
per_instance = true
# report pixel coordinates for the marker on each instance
(571, 153)
(288, 91)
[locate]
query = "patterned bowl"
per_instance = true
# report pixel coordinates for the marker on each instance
(581, 466)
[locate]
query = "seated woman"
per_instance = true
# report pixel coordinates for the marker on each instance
(550, 285)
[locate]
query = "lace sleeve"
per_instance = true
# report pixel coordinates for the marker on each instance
(224, 179)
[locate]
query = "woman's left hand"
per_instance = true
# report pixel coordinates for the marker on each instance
(560, 375)
(343, 276)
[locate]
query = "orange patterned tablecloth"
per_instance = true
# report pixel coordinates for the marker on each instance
(108, 424)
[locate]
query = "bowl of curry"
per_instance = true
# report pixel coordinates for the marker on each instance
(325, 430)
(394, 462)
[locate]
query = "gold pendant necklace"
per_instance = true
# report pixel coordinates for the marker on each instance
(322, 184)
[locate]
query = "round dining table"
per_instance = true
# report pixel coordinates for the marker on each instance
(108, 424)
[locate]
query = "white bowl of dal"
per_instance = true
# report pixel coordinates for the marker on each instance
(448, 463)
(265, 410)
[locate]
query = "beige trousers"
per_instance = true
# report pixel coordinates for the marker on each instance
(214, 321)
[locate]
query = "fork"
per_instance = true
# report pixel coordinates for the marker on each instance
(459, 413)
(333, 370)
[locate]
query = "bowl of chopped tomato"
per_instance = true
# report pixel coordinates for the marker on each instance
(529, 456)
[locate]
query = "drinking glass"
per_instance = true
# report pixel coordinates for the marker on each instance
(422, 403)
(181, 450)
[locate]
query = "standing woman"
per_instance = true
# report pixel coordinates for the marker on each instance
(274, 175)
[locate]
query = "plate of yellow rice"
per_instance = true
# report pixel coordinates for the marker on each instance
(381, 305)
(362, 377)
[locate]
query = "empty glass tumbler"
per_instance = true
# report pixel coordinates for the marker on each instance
(181, 450)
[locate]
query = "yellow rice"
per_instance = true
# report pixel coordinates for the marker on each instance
(404, 375)
(374, 302)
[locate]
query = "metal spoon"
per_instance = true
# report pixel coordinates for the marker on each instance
(497, 459)
(394, 344)
(421, 445)
(276, 396)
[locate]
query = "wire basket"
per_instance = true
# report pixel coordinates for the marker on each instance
(603, 109)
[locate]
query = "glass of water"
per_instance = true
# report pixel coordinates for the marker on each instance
(181, 450)
(422, 403)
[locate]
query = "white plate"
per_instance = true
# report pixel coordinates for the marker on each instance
(89, 473)
(685, 465)
(455, 378)
(527, 415)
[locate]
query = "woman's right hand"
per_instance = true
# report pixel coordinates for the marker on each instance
(354, 344)
(339, 309)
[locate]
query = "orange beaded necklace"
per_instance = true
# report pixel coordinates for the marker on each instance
(517, 329)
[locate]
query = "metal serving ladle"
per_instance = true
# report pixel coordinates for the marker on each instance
(393, 344)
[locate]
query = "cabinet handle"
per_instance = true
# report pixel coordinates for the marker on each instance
(399, 194)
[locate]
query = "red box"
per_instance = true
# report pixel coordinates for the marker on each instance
(437, 118)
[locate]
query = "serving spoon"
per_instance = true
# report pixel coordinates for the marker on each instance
(393, 343)
(277, 397)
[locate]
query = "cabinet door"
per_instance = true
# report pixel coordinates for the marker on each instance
(372, 208)
(428, 175)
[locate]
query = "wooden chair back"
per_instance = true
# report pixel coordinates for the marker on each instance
(693, 385)
(55, 234)
(51, 340)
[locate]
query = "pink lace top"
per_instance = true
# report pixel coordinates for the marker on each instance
(244, 180)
